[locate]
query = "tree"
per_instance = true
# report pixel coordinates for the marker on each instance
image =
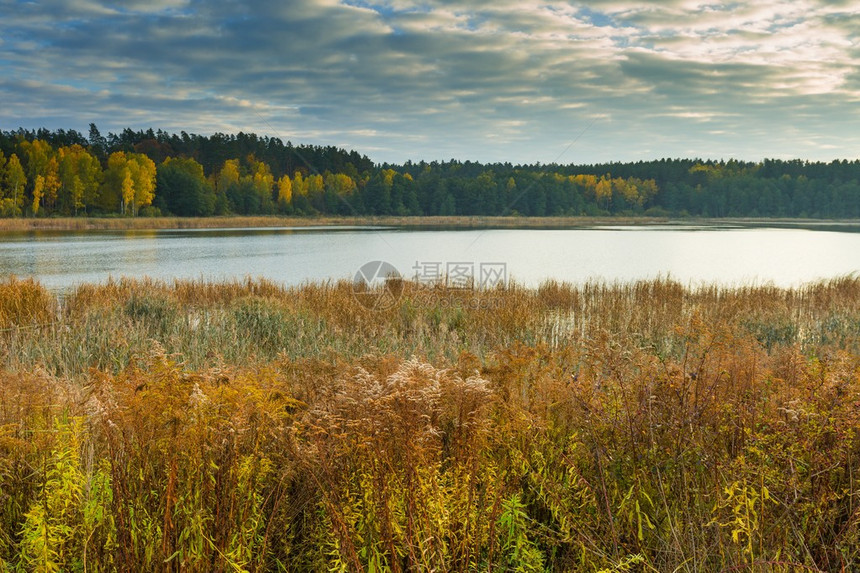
(339, 187)
(315, 191)
(129, 182)
(6, 204)
(300, 193)
(410, 196)
(52, 184)
(603, 192)
(3, 199)
(80, 175)
(182, 189)
(285, 194)
(250, 193)
(227, 178)
(40, 163)
(263, 184)
(45, 186)
(127, 190)
(38, 190)
(144, 182)
(37, 154)
(16, 181)
(377, 193)
(299, 186)
(98, 144)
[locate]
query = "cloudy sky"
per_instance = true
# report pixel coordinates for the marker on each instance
(507, 80)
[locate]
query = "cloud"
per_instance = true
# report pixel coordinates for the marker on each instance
(509, 80)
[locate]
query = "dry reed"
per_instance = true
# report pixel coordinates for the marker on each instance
(245, 426)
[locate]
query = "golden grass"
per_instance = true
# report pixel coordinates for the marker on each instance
(460, 222)
(142, 223)
(24, 303)
(604, 427)
(239, 222)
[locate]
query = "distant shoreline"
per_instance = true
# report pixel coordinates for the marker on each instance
(463, 222)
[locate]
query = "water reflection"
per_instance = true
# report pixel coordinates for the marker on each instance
(728, 254)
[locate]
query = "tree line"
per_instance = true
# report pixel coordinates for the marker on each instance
(146, 173)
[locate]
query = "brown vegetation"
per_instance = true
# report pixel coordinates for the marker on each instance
(244, 222)
(453, 222)
(245, 426)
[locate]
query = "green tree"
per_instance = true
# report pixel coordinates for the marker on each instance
(300, 194)
(6, 203)
(377, 193)
(339, 189)
(316, 191)
(182, 189)
(263, 184)
(251, 193)
(37, 154)
(224, 182)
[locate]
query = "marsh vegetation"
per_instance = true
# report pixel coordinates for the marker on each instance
(244, 426)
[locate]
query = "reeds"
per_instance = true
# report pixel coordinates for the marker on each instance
(24, 304)
(245, 222)
(244, 426)
(132, 223)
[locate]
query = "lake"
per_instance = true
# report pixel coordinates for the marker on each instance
(691, 254)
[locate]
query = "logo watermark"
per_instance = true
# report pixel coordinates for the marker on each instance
(378, 285)
(461, 274)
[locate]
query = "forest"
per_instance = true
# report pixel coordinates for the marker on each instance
(150, 173)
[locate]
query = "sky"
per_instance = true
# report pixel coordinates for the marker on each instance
(508, 80)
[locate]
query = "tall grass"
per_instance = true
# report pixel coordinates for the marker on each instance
(243, 426)
(129, 223)
(24, 304)
(244, 221)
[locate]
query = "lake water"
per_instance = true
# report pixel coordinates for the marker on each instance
(690, 254)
